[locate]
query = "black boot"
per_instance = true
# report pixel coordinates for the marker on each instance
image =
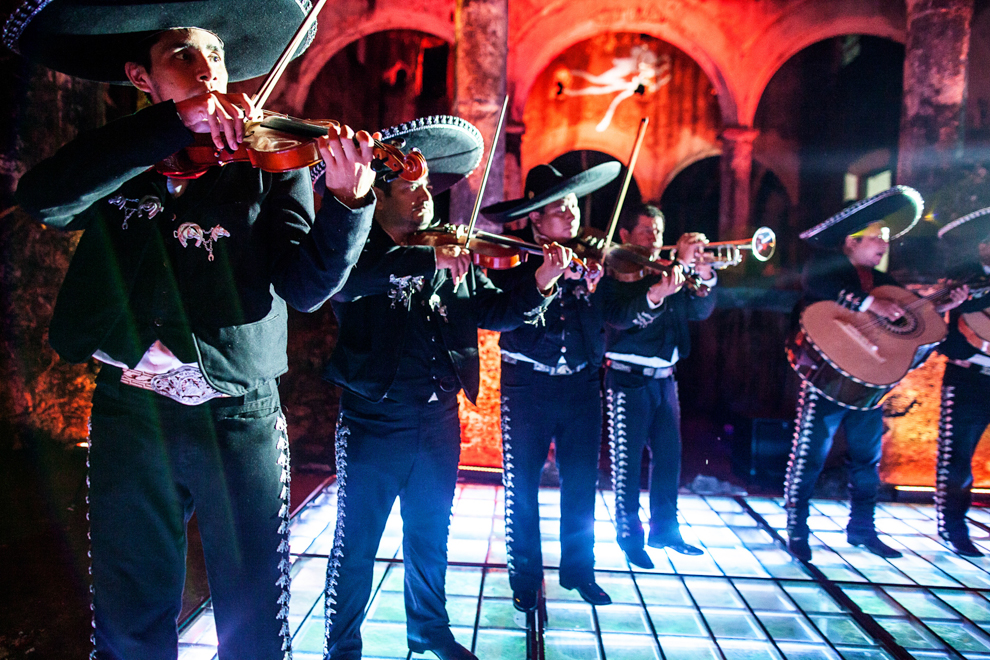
(872, 542)
(799, 547)
(638, 557)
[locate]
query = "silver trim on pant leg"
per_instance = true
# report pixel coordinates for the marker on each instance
(619, 451)
(943, 457)
(807, 401)
(333, 566)
(284, 564)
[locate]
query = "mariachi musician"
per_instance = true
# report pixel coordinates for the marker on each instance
(408, 343)
(851, 244)
(179, 288)
(551, 392)
(965, 411)
(640, 389)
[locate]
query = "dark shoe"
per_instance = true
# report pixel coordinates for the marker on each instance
(638, 557)
(799, 548)
(591, 593)
(450, 651)
(961, 545)
(675, 543)
(524, 600)
(873, 543)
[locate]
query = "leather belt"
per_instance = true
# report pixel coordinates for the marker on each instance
(186, 385)
(966, 364)
(649, 372)
(562, 370)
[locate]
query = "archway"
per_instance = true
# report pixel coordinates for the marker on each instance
(593, 95)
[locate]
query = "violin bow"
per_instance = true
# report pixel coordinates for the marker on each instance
(268, 86)
(625, 186)
(488, 169)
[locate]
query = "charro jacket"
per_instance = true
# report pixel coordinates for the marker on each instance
(373, 308)
(208, 273)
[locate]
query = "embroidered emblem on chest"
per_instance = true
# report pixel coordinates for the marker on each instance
(190, 231)
(643, 319)
(581, 292)
(403, 288)
(147, 207)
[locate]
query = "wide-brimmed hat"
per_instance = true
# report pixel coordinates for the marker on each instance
(545, 184)
(452, 147)
(898, 208)
(93, 39)
(969, 230)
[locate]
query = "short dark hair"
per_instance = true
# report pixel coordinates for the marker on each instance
(141, 52)
(631, 214)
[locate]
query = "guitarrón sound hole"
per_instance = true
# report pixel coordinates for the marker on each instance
(906, 325)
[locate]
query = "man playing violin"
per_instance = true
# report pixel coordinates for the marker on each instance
(640, 390)
(851, 245)
(965, 414)
(179, 288)
(408, 343)
(551, 392)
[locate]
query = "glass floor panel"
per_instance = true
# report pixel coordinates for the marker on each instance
(745, 598)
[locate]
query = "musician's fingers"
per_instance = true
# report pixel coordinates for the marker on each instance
(228, 124)
(366, 145)
(212, 122)
(251, 112)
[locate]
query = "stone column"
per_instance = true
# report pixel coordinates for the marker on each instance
(481, 52)
(736, 170)
(935, 62)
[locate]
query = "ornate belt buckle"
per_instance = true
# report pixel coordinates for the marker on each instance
(185, 385)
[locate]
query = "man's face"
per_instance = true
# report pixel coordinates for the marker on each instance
(408, 207)
(558, 221)
(184, 63)
(647, 233)
(868, 248)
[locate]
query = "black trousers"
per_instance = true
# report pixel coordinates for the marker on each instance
(538, 408)
(152, 461)
(643, 412)
(965, 415)
(817, 421)
(387, 450)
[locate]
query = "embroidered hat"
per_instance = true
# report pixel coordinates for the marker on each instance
(969, 230)
(452, 148)
(93, 39)
(898, 208)
(545, 184)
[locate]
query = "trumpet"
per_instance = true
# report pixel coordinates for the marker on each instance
(724, 254)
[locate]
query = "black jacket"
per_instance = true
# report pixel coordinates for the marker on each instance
(652, 333)
(955, 345)
(208, 274)
(373, 307)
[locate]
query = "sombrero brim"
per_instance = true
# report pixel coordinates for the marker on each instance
(452, 148)
(970, 229)
(899, 208)
(580, 184)
(93, 39)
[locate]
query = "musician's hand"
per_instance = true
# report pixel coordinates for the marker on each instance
(669, 284)
(220, 115)
(690, 248)
(956, 297)
(454, 258)
(556, 262)
(348, 157)
(886, 308)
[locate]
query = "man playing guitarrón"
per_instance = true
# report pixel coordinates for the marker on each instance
(854, 241)
(965, 411)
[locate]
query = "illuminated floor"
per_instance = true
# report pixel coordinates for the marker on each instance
(744, 599)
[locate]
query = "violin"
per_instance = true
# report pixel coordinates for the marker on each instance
(493, 251)
(280, 143)
(630, 263)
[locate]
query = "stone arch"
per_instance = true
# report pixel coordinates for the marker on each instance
(810, 23)
(335, 35)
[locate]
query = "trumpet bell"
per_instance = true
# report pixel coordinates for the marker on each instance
(764, 244)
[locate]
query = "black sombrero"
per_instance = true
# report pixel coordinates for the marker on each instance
(970, 230)
(898, 208)
(93, 39)
(452, 148)
(545, 184)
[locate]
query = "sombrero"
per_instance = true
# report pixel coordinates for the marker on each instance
(452, 148)
(93, 39)
(898, 208)
(545, 184)
(971, 229)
